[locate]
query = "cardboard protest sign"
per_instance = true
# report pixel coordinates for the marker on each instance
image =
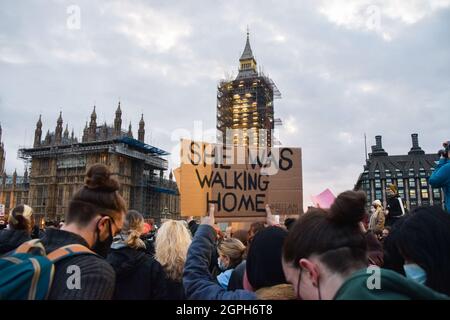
(239, 185)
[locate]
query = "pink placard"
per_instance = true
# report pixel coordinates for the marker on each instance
(324, 199)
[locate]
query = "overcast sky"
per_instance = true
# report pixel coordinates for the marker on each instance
(344, 68)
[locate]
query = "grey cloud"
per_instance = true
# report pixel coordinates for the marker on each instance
(318, 66)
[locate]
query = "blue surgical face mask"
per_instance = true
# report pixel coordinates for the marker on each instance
(221, 265)
(415, 272)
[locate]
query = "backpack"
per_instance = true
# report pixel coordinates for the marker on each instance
(27, 272)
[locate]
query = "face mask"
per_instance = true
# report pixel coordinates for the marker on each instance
(299, 297)
(101, 247)
(221, 265)
(415, 273)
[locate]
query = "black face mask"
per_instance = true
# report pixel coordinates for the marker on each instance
(102, 247)
(299, 297)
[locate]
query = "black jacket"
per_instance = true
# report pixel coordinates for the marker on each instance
(395, 210)
(11, 239)
(193, 226)
(237, 277)
(138, 275)
(175, 290)
(97, 277)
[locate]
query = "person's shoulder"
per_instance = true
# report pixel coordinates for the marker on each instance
(90, 264)
(446, 165)
(151, 262)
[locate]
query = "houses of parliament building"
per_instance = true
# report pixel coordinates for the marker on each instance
(55, 169)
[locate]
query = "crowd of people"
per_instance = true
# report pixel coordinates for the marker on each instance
(344, 252)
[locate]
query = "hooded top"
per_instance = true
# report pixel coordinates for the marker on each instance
(392, 286)
(10, 239)
(264, 267)
(139, 276)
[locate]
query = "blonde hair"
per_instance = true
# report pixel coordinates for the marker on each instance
(171, 245)
(232, 248)
(377, 203)
(21, 218)
(132, 229)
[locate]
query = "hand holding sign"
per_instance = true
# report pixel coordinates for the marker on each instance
(271, 220)
(209, 219)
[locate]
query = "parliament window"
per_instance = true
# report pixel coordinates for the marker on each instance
(437, 193)
(121, 166)
(423, 182)
(19, 198)
(8, 199)
(378, 195)
(60, 195)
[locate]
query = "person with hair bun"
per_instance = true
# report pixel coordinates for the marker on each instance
(138, 275)
(95, 214)
(231, 253)
(325, 257)
(20, 225)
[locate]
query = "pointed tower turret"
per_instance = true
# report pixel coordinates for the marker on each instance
(247, 62)
(130, 132)
(48, 138)
(93, 126)
(104, 134)
(141, 131)
(25, 175)
(59, 129)
(85, 133)
(66, 133)
(38, 133)
(118, 122)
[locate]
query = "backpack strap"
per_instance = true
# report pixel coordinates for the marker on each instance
(26, 247)
(68, 251)
(401, 205)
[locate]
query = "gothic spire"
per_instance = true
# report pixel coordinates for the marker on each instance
(118, 122)
(141, 131)
(247, 53)
(247, 62)
(59, 129)
(130, 133)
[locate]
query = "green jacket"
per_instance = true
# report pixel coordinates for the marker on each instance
(392, 286)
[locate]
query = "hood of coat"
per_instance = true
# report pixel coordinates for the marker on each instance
(11, 239)
(282, 291)
(125, 260)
